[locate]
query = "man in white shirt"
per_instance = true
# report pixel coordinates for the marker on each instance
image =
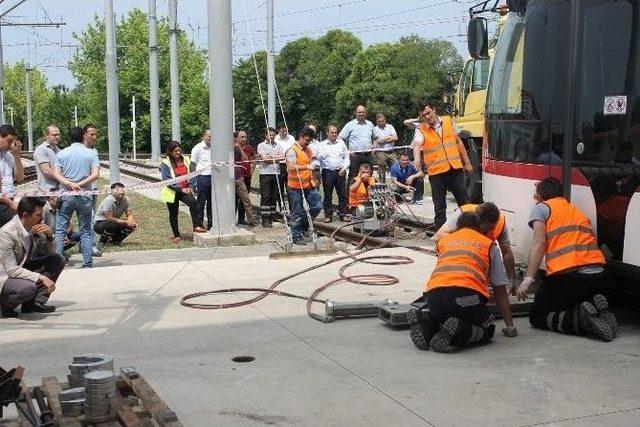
(44, 156)
(284, 141)
(201, 158)
(11, 172)
(334, 161)
(358, 135)
(270, 153)
(384, 139)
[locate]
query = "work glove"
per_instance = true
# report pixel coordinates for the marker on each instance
(523, 289)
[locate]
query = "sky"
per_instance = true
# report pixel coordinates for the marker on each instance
(373, 21)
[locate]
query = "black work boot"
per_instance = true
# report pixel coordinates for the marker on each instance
(441, 341)
(602, 305)
(422, 328)
(590, 320)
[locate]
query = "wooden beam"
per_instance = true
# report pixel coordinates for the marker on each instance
(52, 389)
(157, 407)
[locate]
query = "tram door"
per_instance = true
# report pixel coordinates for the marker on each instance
(607, 145)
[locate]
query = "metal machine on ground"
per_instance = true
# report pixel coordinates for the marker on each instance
(375, 216)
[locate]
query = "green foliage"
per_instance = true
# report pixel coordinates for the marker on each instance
(132, 38)
(392, 77)
(15, 98)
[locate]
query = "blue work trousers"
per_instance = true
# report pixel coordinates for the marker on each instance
(299, 221)
(83, 206)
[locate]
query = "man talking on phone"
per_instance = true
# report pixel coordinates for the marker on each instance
(11, 172)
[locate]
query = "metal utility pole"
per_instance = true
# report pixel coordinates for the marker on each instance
(29, 117)
(271, 67)
(113, 105)
(173, 70)
(2, 117)
(154, 100)
(221, 114)
(134, 125)
(75, 115)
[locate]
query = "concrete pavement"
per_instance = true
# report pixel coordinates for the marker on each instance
(351, 372)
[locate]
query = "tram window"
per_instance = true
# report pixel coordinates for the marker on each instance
(610, 67)
(525, 101)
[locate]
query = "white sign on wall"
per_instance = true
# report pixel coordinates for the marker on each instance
(615, 105)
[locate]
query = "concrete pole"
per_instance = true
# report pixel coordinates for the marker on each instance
(271, 73)
(134, 125)
(2, 117)
(113, 104)
(11, 114)
(173, 70)
(75, 115)
(154, 100)
(29, 116)
(221, 115)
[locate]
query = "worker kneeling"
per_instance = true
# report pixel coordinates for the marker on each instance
(568, 299)
(458, 291)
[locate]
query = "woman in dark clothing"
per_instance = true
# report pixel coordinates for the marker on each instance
(173, 165)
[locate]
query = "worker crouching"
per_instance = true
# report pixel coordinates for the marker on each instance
(361, 186)
(458, 291)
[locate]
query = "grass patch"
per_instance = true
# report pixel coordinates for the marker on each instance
(153, 230)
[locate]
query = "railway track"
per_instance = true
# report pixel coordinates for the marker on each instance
(134, 173)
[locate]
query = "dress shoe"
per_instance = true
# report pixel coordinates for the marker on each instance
(199, 229)
(8, 313)
(38, 307)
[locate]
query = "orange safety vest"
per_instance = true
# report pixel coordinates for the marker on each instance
(463, 261)
(361, 194)
(440, 154)
(571, 242)
(301, 179)
(497, 230)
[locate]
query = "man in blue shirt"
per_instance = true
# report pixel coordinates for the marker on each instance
(76, 168)
(358, 135)
(407, 179)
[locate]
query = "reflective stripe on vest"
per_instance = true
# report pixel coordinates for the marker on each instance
(497, 230)
(463, 261)
(301, 179)
(168, 194)
(439, 154)
(571, 242)
(361, 194)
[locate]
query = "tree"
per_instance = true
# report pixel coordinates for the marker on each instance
(311, 72)
(250, 115)
(15, 98)
(132, 36)
(308, 73)
(392, 77)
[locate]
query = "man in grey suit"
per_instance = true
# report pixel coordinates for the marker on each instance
(29, 281)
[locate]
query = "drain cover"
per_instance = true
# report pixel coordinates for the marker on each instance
(243, 359)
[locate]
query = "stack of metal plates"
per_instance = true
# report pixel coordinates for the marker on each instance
(86, 363)
(100, 387)
(72, 401)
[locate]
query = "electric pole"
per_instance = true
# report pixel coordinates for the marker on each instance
(134, 125)
(154, 101)
(221, 114)
(113, 105)
(173, 70)
(29, 113)
(75, 115)
(2, 117)
(271, 73)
